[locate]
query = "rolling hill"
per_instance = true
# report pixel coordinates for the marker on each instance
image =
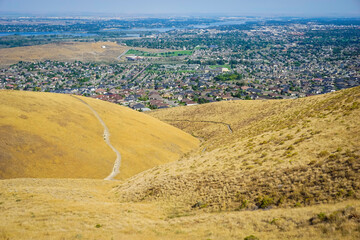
(286, 169)
(287, 153)
(68, 51)
(45, 135)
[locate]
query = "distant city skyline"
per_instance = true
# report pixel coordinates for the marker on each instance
(335, 8)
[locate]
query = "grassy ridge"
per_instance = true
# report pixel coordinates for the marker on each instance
(55, 135)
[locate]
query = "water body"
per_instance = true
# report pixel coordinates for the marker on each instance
(217, 24)
(132, 32)
(140, 30)
(3, 34)
(45, 33)
(162, 30)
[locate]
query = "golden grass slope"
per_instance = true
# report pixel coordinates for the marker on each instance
(57, 136)
(66, 51)
(287, 153)
(231, 190)
(89, 209)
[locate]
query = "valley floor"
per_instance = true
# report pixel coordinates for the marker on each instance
(90, 209)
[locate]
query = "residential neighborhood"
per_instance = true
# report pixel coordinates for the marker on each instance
(261, 61)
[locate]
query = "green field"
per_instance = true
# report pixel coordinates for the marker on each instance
(140, 53)
(220, 66)
(176, 53)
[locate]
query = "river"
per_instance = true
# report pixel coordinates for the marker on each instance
(133, 32)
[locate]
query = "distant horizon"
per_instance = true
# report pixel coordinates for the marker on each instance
(166, 15)
(255, 8)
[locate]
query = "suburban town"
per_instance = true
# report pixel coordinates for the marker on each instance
(268, 61)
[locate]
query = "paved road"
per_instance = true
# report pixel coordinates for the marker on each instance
(106, 136)
(140, 72)
(122, 54)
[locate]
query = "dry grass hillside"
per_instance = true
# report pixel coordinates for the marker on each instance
(290, 153)
(89, 209)
(58, 136)
(67, 51)
(289, 170)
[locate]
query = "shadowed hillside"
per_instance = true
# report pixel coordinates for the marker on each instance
(287, 153)
(57, 136)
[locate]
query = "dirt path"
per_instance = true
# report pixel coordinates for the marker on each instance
(226, 124)
(117, 163)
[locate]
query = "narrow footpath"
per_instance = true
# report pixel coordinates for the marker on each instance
(226, 124)
(117, 163)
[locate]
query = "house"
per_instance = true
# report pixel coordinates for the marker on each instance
(179, 96)
(134, 58)
(222, 70)
(253, 90)
(100, 91)
(227, 96)
(130, 98)
(114, 91)
(158, 104)
(138, 106)
(166, 95)
(101, 97)
(155, 96)
(189, 102)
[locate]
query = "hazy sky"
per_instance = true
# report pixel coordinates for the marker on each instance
(234, 7)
